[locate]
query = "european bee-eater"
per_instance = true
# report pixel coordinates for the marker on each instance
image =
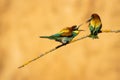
(65, 35)
(95, 25)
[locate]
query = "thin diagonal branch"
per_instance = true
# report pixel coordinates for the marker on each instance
(80, 38)
(41, 55)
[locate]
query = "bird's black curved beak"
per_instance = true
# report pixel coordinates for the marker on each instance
(89, 20)
(79, 26)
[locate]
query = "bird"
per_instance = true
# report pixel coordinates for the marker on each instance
(95, 25)
(65, 35)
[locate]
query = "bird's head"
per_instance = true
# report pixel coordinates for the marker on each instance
(93, 16)
(76, 28)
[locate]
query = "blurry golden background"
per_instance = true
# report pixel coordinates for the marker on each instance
(23, 21)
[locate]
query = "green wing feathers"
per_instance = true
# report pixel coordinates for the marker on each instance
(55, 36)
(94, 31)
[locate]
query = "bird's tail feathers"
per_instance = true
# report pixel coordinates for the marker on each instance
(44, 36)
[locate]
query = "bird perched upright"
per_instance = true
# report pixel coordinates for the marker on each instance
(95, 25)
(65, 35)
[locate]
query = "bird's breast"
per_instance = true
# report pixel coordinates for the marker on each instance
(95, 23)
